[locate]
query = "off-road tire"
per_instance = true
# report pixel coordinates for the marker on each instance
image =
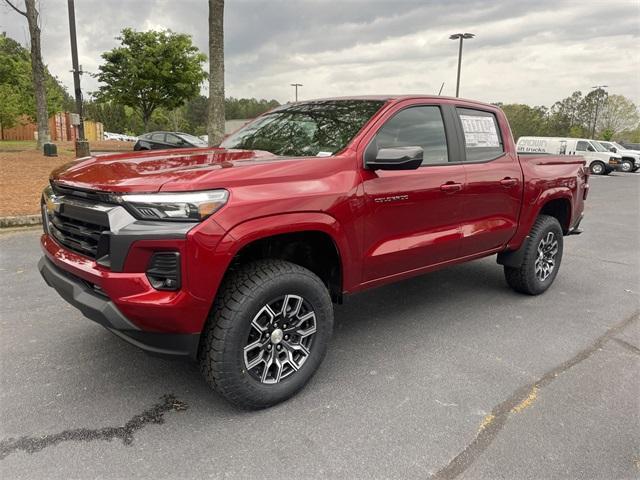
(243, 294)
(524, 279)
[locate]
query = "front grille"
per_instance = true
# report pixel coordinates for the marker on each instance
(78, 221)
(80, 236)
(86, 195)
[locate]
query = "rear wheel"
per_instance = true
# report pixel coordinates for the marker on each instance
(598, 168)
(542, 256)
(267, 334)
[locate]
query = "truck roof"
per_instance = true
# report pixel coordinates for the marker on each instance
(399, 97)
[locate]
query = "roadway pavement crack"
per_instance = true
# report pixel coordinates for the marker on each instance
(155, 414)
(627, 345)
(522, 398)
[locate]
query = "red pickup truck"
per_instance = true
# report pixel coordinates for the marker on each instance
(234, 255)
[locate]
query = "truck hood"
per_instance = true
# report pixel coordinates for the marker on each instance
(150, 171)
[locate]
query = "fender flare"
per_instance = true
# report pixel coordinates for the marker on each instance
(514, 258)
(255, 229)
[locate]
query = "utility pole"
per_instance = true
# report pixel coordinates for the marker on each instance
(460, 36)
(296, 85)
(597, 88)
(82, 146)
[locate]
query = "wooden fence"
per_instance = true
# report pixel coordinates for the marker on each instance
(60, 129)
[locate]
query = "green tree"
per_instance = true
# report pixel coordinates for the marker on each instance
(16, 85)
(150, 70)
(196, 111)
(526, 120)
(617, 114)
(565, 115)
(607, 134)
(9, 108)
(38, 69)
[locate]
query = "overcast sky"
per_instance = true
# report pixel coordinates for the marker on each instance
(532, 52)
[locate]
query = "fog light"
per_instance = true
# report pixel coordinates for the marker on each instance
(163, 271)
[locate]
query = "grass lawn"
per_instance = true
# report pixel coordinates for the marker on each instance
(24, 172)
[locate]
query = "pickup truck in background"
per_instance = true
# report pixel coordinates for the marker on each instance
(233, 256)
(630, 161)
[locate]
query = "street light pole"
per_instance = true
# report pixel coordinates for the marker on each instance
(597, 88)
(462, 37)
(296, 85)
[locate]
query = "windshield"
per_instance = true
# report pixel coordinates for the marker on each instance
(618, 146)
(192, 139)
(598, 147)
(319, 128)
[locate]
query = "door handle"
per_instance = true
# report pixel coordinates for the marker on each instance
(451, 187)
(508, 182)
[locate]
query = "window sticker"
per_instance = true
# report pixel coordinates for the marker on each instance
(479, 131)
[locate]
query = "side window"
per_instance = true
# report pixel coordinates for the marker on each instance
(416, 127)
(172, 139)
(157, 137)
(482, 139)
(582, 146)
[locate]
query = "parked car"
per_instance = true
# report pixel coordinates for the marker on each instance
(233, 256)
(630, 161)
(599, 159)
(631, 146)
(112, 136)
(164, 140)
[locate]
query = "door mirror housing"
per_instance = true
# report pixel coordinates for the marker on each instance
(396, 158)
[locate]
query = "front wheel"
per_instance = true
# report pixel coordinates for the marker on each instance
(627, 166)
(541, 261)
(267, 334)
(598, 168)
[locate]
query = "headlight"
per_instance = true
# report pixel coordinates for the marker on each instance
(195, 206)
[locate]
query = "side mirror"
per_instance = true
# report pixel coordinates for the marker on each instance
(591, 149)
(396, 158)
(614, 149)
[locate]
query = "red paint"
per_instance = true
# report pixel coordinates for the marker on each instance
(437, 215)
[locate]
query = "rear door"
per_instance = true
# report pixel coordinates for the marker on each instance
(413, 219)
(494, 183)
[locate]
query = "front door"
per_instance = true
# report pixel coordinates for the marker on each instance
(413, 215)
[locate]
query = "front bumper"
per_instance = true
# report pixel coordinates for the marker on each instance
(103, 311)
(98, 257)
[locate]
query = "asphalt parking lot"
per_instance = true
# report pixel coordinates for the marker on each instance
(451, 375)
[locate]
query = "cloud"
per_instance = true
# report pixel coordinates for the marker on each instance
(526, 52)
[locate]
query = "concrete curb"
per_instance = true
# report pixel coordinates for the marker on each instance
(20, 221)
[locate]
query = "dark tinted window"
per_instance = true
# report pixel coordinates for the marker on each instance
(173, 139)
(416, 127)
(482, 139)
(157, 137)
(319, 128)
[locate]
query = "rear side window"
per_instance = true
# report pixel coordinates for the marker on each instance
(158, 137)
(416, 127)
(482, 139)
